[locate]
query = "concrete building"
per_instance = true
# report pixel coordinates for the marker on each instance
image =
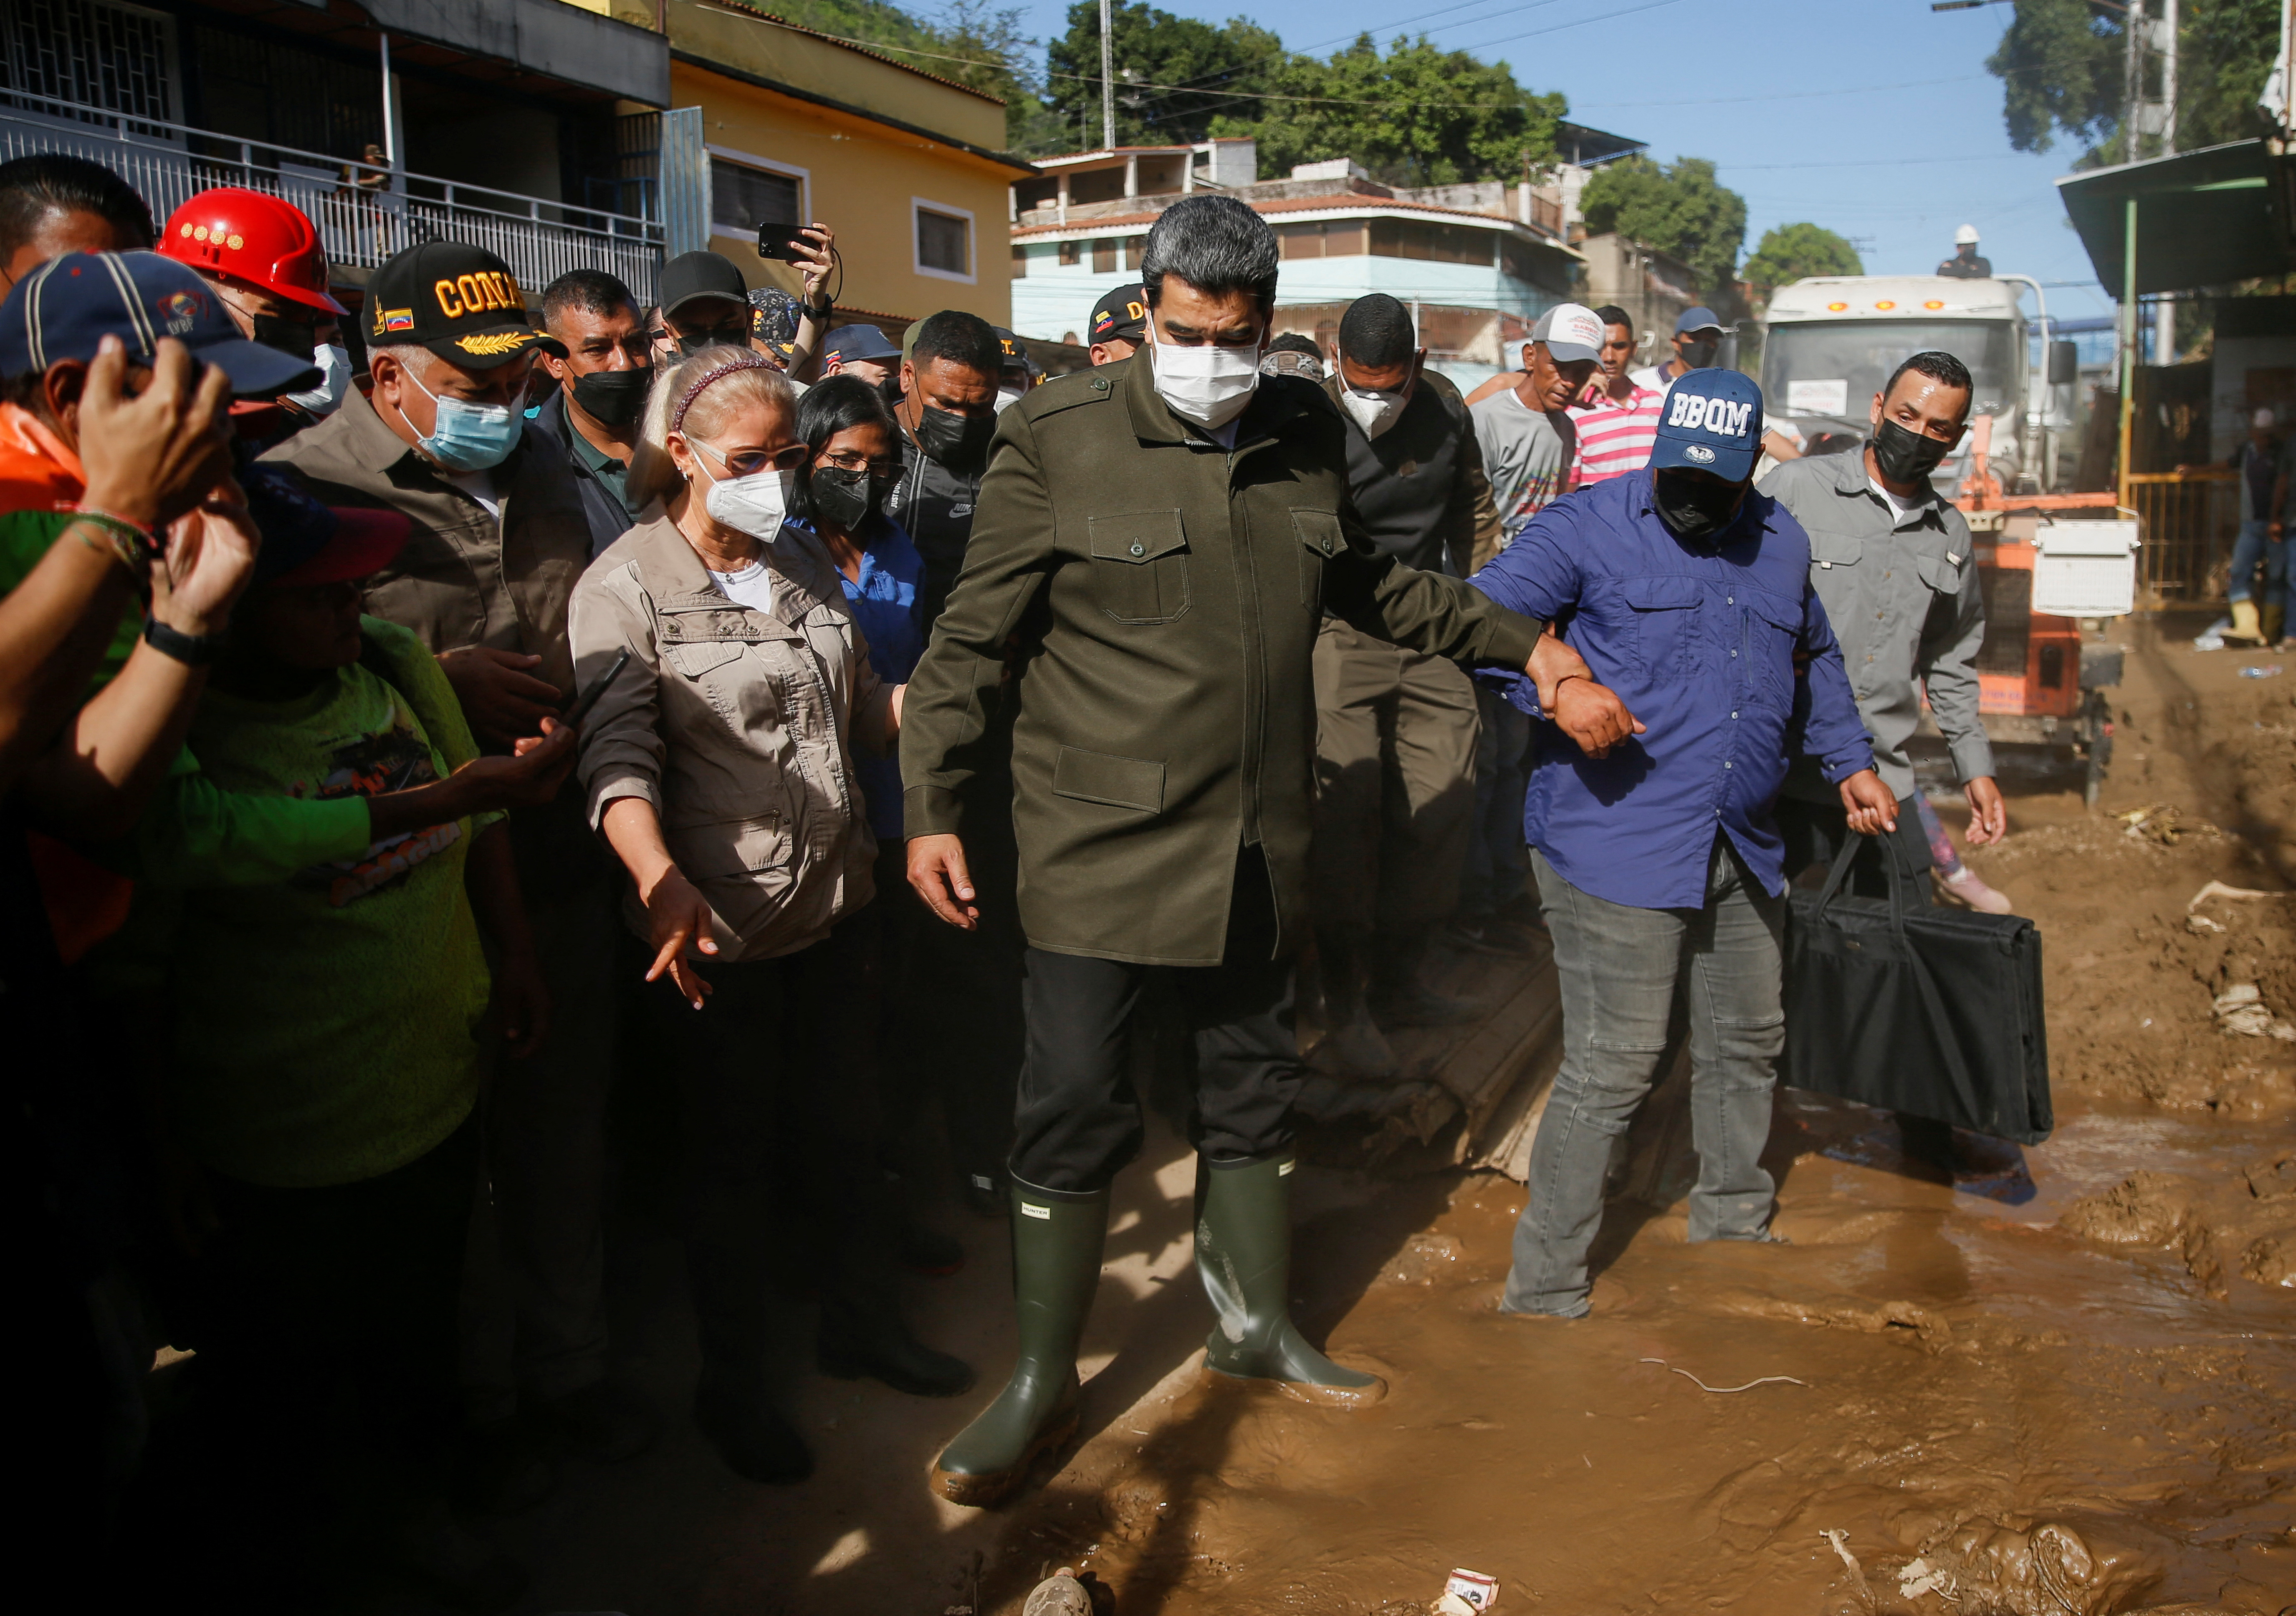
(1478, 263)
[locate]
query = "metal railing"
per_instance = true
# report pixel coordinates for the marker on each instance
(2188, 520)
(364, 214)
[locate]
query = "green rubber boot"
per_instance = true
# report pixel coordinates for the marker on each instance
(1057, 1241)
(1243, 1251)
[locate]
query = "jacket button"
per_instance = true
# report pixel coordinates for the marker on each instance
(1327, 546)
(1099, 386)
(1139, 549)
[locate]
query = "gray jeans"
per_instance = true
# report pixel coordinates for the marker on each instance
(1620, 967)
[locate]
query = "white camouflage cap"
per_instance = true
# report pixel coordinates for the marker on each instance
(1570, 331)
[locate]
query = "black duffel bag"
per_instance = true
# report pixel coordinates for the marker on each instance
(1933, 1012)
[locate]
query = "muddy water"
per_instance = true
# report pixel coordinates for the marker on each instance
(2049, 1419)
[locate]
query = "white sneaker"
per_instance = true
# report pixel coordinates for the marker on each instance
(1965, 885)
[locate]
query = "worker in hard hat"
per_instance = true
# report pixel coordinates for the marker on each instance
(1965, 264)
(262, 256)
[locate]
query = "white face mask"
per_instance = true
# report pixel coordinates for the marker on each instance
(1209, 385)
(334, 363)
(756, 505)
(1374, 412)
(1006, 397)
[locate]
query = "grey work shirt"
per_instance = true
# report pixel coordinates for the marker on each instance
(1902, 594)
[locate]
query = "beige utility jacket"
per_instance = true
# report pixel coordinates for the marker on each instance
(738, 727)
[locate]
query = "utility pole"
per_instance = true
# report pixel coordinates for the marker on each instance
(2164, 312)
(1107, 80)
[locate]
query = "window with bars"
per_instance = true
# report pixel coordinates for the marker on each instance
(119, 58)
(284, 94)
(743, 198)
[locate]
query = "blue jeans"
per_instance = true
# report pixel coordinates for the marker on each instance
(1618, 967)
(2255, 545)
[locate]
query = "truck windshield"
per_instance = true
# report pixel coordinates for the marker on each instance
(1834, 367)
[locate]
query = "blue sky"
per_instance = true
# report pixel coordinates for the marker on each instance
(1874, 118)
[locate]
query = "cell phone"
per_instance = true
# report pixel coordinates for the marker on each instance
(588, 699)
(779, 241)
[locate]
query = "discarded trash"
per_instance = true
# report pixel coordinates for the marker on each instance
(1919, 1576)
(2211, 638)
(2199, 925)
(1059, 1594)
(1703, 1386)
(1451, 1605)
(2241, 1009)
(2217, 889)
(2270, 670)
(1839, 1539)
(1473, 1589)
(2161, 822)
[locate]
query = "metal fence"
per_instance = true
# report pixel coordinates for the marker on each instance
(2188, 520)
(363, 215)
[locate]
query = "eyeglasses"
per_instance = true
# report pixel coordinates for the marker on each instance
(748, 463)
(853, 460)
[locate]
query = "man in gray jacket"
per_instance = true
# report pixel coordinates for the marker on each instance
(1890, 558)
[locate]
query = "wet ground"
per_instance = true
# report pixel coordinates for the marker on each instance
(2064, 1382)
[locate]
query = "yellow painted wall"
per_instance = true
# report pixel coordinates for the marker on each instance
(861, 176)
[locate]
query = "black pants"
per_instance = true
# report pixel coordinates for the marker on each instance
(322, 1404)
(951, 1023)
(1814, 834)
(773, 1077)
(1078, 1121)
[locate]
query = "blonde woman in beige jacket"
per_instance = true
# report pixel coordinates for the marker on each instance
(719, 765)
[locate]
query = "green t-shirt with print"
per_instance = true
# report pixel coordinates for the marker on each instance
(327, 1026)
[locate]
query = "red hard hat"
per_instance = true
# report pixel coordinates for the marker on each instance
(254, 237)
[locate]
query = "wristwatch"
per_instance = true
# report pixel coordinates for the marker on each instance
(193, 649)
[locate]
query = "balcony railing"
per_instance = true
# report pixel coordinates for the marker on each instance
(364, 214)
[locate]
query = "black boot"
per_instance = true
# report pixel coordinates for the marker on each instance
(1057, 1242)
(868, 1338)
(747, 1431)
(1243, 1253)
(1398, 996)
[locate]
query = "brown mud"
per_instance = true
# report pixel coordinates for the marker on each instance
(2062, 1384)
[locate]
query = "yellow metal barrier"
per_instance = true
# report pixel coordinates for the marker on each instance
(2188, 520)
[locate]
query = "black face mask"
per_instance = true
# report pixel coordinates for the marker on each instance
(1701, 353)
(613, 397)
(296, 337)
(957, 439)
(1695, 506)
(1904, 456)
(844, 497)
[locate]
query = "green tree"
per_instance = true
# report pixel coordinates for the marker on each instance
(1418, 116)
(1680, 208)
(1789, 252)
(2063, 69)
(993, 54)
(1172, 73)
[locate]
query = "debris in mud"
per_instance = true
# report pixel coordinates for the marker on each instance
(2162, 823)
(2217, 889)
(2241, 1010)
(2040, 1570)
(1423, 1259)
(1469, 1591)
(1723, 1391)
(2146, 1208)
(2201, 925)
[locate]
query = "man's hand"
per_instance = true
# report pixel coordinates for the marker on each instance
(500, 697)
(1871, 809)
(937, 872)
(521, 1003)
(528, 778)
(1593, 716)
(154, 457)
(1551, 663)
(810, 256)
(677, 919)
(209, 559)
(1988, 814)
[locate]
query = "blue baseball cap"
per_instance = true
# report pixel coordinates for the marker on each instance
(67, 306)
(864, 344)
(1697, 318)
(1711, 421)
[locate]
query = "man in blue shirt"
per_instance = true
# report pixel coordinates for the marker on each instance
(1688, 593)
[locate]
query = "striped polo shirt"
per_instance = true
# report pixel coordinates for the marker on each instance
(1615, 439)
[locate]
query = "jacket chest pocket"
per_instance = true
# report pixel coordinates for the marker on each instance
(735, 848)
(1665, 612)
(1320, 540)
(1773, 634)
(1940, 600)
(707, 649)
(1140, 566)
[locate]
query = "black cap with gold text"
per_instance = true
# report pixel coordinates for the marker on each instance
(458, 301)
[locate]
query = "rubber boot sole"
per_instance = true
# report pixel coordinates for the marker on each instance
(986, 1490)
(1304, 1392)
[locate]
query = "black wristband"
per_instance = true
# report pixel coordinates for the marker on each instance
(192, 650)
(821, 311)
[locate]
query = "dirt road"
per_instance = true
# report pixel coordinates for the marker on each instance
(2065, 1383)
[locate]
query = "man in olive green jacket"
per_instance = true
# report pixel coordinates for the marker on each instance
(1156, 545)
